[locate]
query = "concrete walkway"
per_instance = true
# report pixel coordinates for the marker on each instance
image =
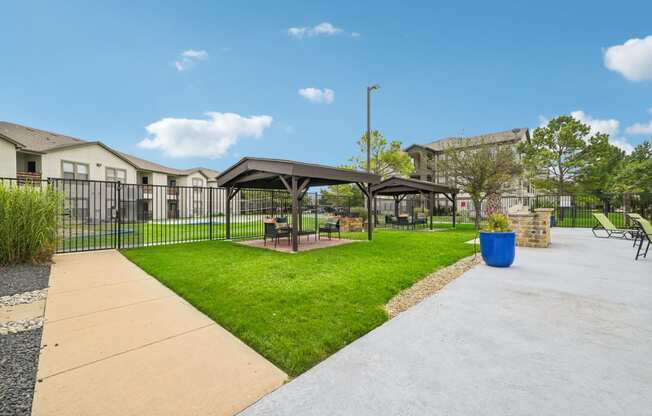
(565, 331)
(117, 342)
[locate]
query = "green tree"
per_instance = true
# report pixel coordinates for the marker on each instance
(601, 162)
(387, 158)
(482, 172)
(635, 175)
(553, 156)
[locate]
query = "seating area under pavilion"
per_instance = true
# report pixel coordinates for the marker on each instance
(295, 178)
(399, 188)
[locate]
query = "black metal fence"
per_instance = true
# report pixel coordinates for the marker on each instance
(99, 215)
(571, 210)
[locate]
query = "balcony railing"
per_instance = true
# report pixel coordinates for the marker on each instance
(24, 177)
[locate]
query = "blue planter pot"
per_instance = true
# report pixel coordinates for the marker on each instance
(498, 249)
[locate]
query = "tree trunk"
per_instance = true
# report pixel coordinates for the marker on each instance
(477, 206)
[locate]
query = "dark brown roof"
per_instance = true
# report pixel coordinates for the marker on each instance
(264, 173)
(403, 186)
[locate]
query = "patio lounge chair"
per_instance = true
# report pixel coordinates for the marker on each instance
(635, 220)
(274, 232)
(610, 229)
(646, 234)
(329, 228)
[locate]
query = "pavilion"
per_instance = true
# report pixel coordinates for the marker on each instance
(399, 188)
(293, 177)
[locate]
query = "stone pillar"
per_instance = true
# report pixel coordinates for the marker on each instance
(532, 228)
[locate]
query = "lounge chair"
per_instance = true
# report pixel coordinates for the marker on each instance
(635, 218)
(274, 232)
(610, 229)
(329, 228)
(646, 234)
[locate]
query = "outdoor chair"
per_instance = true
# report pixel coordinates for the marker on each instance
(390, 220)
(274, 232)
(646, 234)
(404, 221)
(610, 229)
(329, 228)
(420, 220)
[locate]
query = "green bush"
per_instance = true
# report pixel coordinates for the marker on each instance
(360, 212)
(29, 219)
(497, 222)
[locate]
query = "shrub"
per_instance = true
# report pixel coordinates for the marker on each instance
(497, 222)
(359, 212)
(29, 219)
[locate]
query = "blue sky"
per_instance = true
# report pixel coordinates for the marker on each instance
(108, 70)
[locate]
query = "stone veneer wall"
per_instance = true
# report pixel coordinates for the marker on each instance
(532, 228)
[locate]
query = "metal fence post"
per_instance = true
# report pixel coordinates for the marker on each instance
(210, 213)
(118, 188)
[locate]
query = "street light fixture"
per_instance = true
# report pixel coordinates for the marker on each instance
(369, 90)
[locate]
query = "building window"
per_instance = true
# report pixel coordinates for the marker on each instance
(74, 170)
(198, 183)
(31, 166)
(116, 175)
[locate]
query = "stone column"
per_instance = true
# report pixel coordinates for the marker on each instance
(532, 228)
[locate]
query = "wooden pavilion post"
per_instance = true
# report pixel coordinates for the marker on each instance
(295, 214)
(228, 212)
(369, 215)
(432, 207)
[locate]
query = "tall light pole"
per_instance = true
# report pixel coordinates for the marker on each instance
(369, 196)
(369, 90)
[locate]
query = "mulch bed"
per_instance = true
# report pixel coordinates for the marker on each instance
(23, 278)
(18, 365)
(431, 284)
(19, 349)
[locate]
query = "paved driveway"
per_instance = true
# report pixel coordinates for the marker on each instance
(565, 331)
(117, 342)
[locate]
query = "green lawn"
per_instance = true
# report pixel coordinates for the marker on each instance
(297, 309)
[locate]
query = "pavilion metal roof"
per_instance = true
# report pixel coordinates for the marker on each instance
(402, 186)
(263, 173)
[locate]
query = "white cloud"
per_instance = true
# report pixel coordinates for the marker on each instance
(633, 59)
(211, 137)
(322, 29)
(189, 58)
(640, 128)
(606, 126)
(317, 95)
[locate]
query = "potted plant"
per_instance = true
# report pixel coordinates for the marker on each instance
(498, 241)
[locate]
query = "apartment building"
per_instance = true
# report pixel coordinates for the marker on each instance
(30, 154)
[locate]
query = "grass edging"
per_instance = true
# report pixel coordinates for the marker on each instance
(429, 285)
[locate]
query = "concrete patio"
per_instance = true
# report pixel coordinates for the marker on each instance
(118, 342)
(566, 330)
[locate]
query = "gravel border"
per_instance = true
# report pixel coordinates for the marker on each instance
(18, 366)
(23, 278)
(431, 284)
